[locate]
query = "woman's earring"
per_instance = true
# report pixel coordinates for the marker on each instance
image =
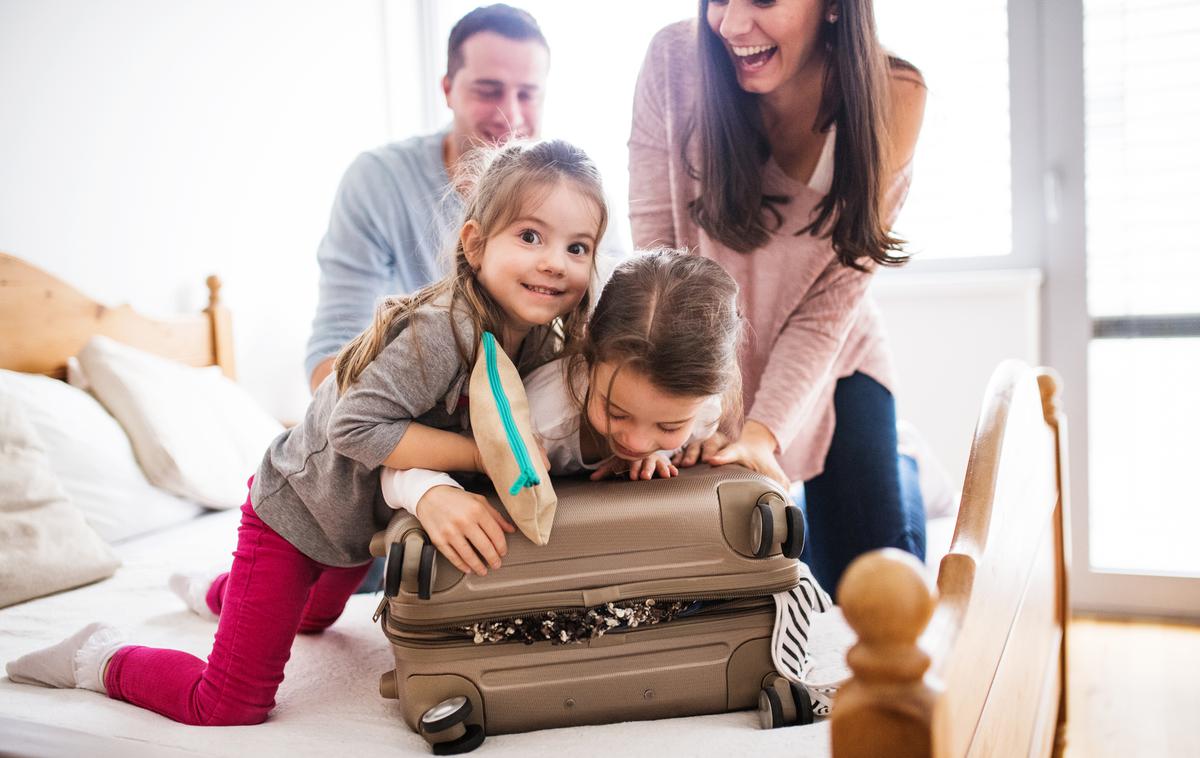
(832, 17)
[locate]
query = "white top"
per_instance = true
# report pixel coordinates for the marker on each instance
(554, 413)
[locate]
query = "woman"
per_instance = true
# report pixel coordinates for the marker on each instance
(776, 138)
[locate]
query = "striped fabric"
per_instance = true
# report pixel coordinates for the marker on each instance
(794, 610)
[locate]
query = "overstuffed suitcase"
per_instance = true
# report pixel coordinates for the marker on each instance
(712, 544)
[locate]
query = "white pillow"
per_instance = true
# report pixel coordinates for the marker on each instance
(48, 545)
(93, 460)
(196, 433)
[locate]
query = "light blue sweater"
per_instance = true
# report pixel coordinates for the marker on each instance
(390, 218)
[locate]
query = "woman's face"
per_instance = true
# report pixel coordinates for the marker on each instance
(770, 41)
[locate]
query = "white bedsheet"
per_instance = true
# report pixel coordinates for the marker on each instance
(329, 702)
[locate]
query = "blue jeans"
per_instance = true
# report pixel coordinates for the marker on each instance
(373, 581)
(868, 496)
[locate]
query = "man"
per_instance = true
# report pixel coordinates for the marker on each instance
(395, 204)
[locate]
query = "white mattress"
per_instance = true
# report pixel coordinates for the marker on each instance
(329, 701)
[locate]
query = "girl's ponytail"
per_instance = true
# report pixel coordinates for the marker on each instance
(358, 353)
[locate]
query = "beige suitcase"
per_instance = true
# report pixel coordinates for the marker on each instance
(725, 536)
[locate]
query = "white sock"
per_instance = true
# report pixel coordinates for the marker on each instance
(192, 589)
(794, 610)
(77, 661)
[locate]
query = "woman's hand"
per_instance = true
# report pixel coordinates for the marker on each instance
(464, 526)
(643, 468)
(755, 450)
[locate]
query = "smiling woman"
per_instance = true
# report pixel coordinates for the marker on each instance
(776, 138)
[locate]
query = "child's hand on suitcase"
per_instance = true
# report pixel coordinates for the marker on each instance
(643, 468)
(464, 526)
(651, 464)
(691, 454)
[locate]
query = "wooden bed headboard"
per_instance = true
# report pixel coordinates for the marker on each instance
(44, 321)
(977, 667)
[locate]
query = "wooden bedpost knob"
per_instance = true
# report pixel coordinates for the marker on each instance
(1049, 384)
(214, 289)
(887, 598)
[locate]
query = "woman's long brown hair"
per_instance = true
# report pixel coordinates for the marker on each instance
(733, 146)
(500, 184)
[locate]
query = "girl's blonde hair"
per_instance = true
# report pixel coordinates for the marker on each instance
(673, 318)
(498, 185)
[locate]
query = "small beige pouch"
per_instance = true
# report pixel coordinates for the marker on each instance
(504, 433)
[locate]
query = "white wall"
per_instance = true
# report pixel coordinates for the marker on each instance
(948, 331)
(147, 144)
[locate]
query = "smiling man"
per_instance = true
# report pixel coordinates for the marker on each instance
(395, 204)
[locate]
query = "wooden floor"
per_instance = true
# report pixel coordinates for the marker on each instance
(1134, 689)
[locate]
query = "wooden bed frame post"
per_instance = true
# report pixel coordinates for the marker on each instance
(222, 328)
(887, 708)
(988, 675)
(1050, 384)
(46, 321)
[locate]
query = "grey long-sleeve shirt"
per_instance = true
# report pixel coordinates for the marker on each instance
(318, 484)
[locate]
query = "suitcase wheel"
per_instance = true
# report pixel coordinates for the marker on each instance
(793, 546)
(766, 532)
(783, 703)
(391, 576)
(426, 573)
(762, 530)
(410, 566)
(444, 727)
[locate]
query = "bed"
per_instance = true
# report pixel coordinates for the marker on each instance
(970, 663)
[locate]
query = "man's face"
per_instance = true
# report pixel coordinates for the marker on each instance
(498, 92)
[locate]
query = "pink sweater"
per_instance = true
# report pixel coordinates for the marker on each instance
(811, 321)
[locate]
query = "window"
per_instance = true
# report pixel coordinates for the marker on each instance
(1142, 101)
(598, 50)
(960, 204)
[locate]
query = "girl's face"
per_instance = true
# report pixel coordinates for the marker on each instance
(770, 41)
(539, 266)
(637, 416)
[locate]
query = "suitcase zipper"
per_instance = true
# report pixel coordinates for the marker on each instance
(451, 634)
(444, 623)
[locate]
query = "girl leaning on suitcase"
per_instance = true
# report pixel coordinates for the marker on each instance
(522, 269)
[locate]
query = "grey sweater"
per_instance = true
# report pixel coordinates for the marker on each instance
(318, 484)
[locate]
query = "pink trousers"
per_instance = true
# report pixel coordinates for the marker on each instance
(271, 593)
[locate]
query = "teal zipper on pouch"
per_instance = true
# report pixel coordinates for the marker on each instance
(528, 474)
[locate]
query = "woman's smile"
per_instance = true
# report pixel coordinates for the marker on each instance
(753, 58)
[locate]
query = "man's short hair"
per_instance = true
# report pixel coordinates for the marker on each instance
(502, 19)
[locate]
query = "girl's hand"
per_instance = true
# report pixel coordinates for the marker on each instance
(755, 450)
(691, 454)
(643, 468)
(464, 526)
